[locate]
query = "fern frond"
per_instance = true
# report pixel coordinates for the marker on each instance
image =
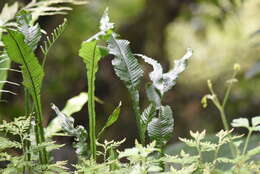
(165, 81)
(50, 7)
(4, 68)
(55, 35)
(32, 72)
(160, 128)
(129, 71)
(32, 33)
(91, 55)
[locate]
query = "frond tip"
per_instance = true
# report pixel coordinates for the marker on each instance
(55, 35)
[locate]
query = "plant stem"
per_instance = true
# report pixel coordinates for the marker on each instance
(136, 108)
(27, 113)
(91, 111)
(247, 141)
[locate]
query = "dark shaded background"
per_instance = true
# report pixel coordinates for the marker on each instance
(218, 31)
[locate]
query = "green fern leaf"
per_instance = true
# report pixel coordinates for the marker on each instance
(111, 119)
(55, 35)
(32, 72)
(21, 53)
(160, 128)
(91, 55)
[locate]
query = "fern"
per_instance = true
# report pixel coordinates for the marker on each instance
(32, 72)
(111, 119)
(32, 33)
(165, 81)
(91, 55)
(160, 128)
(67, 125)
(50, 7)
(129, 71)
(4, 66)
(55, 35)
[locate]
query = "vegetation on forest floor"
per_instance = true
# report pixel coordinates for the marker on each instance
(21, 35)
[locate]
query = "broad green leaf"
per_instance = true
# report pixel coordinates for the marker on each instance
(153, 95)
(72, 106)
(75, 104)
(111, 119)
(160, 128)
(165, 81)
(147, 115)
(240, 122)
(256, 120)
(256, 123)
(32, 33)
(91, 54)
(21, 53)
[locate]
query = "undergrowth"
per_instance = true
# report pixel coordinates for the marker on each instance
(26, 146)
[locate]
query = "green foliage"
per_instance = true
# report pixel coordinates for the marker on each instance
(79, 132)
(32, 72)
(91, 54)
(17, 163)
(111, 119)
(72, 106)
(165, 81)
(50, 7)
(26, 134)
(55, 35)
(129, 71)
(160, 128)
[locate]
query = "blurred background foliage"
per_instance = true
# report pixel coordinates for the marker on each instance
(221, 33)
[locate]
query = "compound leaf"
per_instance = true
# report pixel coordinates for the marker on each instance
(160, 128)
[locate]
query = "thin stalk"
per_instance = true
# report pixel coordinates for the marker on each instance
(247, 141)
(27, 113)
(221, 107)
(91, 111)
(136, 108)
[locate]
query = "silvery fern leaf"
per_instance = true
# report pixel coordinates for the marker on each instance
(160, 128)
(125, 64)
(165, 81)
(32, 33)
(129, 71)
(50, 7)
(147, 115)
(105, 27)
